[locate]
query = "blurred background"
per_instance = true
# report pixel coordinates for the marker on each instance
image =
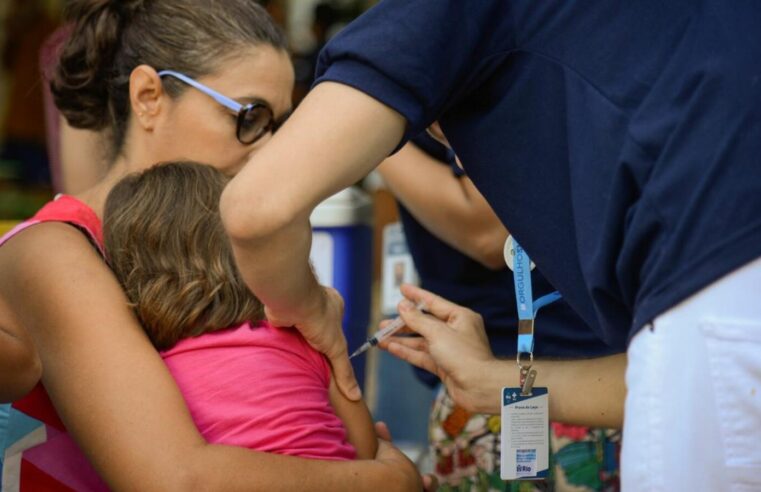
(30, 176)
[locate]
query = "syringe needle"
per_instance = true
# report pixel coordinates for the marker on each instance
(361, 350)
(391, 328)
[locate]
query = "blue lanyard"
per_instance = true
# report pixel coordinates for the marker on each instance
(527, 307)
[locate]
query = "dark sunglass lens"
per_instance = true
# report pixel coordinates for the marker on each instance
(253, 123)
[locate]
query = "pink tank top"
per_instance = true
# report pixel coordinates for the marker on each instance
(262, 388)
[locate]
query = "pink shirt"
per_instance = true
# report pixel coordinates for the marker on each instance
(262, 388)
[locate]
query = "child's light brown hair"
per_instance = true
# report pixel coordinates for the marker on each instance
(167, 246)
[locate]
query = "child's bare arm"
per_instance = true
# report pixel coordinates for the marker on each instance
(360, 431)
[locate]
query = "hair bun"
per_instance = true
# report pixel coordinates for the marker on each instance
(86, 60)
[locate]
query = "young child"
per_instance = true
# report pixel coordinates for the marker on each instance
(245, 382)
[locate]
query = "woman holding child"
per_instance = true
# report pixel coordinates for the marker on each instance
(104, 386)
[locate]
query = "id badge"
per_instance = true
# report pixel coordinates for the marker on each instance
(397, 268)
(525, 435)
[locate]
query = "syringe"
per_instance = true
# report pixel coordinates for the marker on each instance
(396, 325)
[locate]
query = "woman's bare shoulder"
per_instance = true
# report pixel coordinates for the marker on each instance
(47, 243)
(46, 258)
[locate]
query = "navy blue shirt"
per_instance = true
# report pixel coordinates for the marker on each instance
(619, 142)
(453, 275)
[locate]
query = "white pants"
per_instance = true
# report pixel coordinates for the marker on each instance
(693, 407)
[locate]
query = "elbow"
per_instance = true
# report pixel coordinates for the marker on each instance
(32, 373)
(488, 250)
(250, 216)
(492, 260)
(25, 372)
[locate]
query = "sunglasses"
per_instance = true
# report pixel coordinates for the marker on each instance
(254, 119)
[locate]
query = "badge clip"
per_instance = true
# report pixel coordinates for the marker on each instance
(528, 381)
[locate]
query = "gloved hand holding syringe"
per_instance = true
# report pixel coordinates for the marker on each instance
(382, 334)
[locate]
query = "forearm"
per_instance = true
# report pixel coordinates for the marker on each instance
(449, 207)
(583, 392)
(432, 194)
(283, 281)
(232, 469)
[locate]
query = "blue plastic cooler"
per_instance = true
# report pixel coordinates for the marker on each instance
(342, 258)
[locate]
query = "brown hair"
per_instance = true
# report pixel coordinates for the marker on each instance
(166, 244)
(112, 37)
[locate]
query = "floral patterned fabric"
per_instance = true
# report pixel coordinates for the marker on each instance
(466, 454)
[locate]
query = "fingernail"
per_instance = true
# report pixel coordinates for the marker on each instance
(356, 393)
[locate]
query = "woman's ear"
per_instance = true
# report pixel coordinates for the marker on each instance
(145, 94)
